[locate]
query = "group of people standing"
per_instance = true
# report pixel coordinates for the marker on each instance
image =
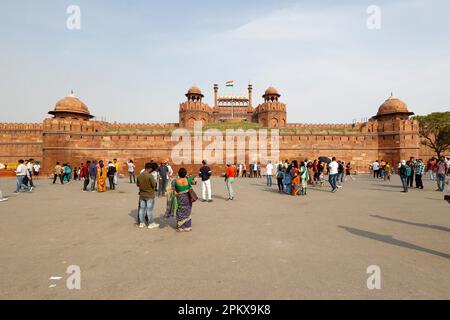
(295, 177)
(415, 169)
(179, 191)
(94, 174)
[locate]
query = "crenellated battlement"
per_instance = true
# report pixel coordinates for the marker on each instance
(324, 125)
(21, 126)
(140, 126)
(194, 106)
(271, 106)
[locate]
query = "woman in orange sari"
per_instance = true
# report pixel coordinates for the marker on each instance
(295, 178)
(101, 177)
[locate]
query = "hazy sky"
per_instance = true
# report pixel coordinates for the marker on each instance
(133, 61)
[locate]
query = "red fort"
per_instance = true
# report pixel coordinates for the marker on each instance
(73, 135)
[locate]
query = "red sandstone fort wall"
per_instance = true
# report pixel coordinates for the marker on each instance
(20, 141)
(76, 141)
(76, 147)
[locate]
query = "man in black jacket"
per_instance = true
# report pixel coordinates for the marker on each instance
(205, 174)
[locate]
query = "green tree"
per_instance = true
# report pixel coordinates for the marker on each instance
(434, 129)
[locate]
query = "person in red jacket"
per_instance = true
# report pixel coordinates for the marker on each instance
(85, 173)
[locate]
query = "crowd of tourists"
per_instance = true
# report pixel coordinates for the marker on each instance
(292, 178)
(412, 172)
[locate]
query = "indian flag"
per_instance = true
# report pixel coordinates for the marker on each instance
(230, 83)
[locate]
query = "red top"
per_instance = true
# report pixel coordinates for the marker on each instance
(84, 172)
(231, 172)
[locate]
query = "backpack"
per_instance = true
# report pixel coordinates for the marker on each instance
(408, 171)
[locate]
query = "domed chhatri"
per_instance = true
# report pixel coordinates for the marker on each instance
(271, 95)
(271, 91)
(71, 106)
(194, 91)
(393, 106)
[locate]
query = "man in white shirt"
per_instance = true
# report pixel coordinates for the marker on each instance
(36, 169)
(332, 174)
(21, 173)
(131, 167)
(376, 169)
(170, 171)
(269, 173)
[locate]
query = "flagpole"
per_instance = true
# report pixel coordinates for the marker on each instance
(232, 103)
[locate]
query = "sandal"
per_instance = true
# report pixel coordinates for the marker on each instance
(179, 230)
(187, 230)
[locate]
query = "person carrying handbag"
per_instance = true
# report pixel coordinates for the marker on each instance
(186, 196)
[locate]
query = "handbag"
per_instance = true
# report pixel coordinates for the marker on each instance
(192, 195)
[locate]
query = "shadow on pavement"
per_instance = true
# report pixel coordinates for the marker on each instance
(390, 240)
(163, 222)
(424, 225)
(393, 186)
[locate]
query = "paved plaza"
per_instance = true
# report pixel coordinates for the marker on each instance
(262, 245)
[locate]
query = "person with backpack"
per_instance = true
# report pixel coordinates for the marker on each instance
(404, 172)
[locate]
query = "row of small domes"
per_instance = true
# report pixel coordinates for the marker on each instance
(72, 104)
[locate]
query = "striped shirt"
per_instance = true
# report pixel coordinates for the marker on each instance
(420, 168)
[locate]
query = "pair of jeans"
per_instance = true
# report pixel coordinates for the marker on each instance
(85, 183)
(332, 179)
(269, 180)
(230, 187)
(112, 184)
(132, 177)
(411, 179)
(432, 175)
(404, 183)
(376, 173)
(93, 180)
(441, 181)
(419, 183)
(146, 210)
(21, 184)
(280, 184)
(55, 176)
(206, 189)
(162, 187)
(339, 178)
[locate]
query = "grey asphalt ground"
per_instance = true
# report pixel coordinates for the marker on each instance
(262, 245)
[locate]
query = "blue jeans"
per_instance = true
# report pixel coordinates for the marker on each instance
(269, 180)
(20, 184)
(146, 209)
(340, 178)
(404, 183)
(441, 181)
(332, 179)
